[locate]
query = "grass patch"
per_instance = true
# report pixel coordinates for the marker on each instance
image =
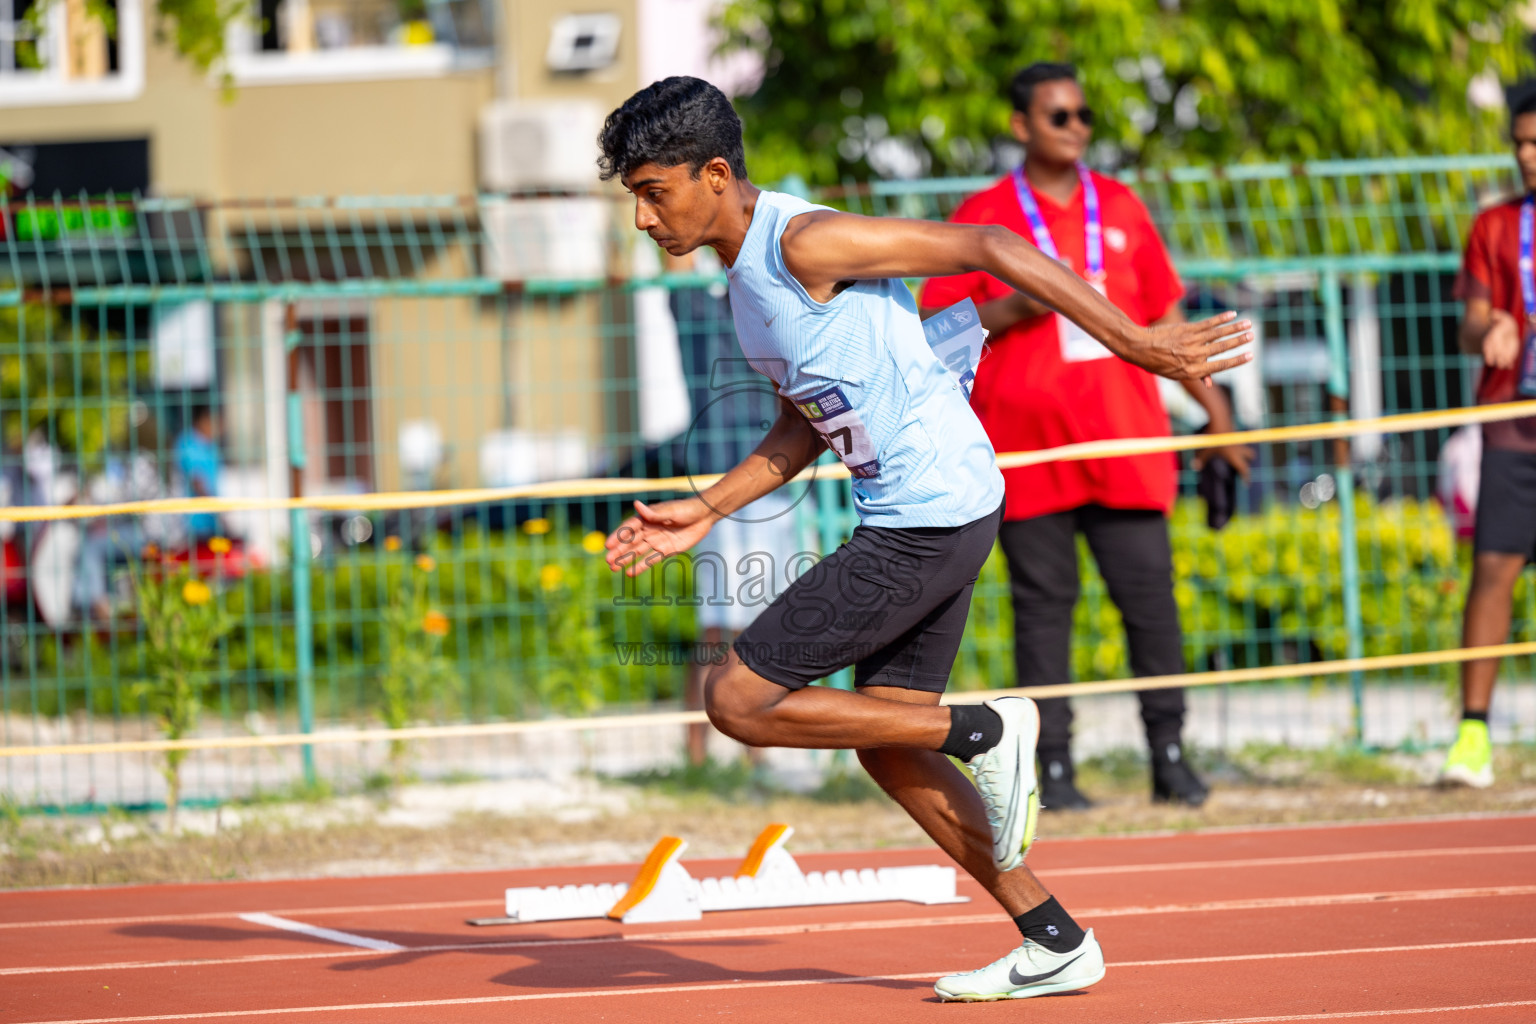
(843, 785)
(729, 780)
(1270, 764)
(1515, 762)
(718, 807)
(1127, 770)
(1354, 766)
(300, 792)
(1117, 770)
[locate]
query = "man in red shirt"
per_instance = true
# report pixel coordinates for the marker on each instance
(1498, 326)
(1045, 383)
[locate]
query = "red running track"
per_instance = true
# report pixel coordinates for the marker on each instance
(1402, 922)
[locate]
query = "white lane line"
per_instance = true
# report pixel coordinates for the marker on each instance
(1423, 947)
(1111, 869)
(769, 931)
(1325, 900)
(1087, 913)
(329, 934)
(735, 986)
(1275, 862)
(1348, 1014)
(1470, 817)
(224, 915)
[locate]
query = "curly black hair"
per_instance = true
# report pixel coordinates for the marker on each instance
(1022, 89)
(677, 120)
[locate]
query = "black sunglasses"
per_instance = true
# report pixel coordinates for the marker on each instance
(1059, 118)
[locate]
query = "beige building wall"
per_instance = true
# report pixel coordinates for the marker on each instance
(390, 136)
(178, 111)
(403, 135)
(567, 351)
(528, 24)
(473, 366)
(443, 359)
(413, 136)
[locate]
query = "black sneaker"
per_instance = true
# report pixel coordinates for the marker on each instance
(1173, 781)
(1058, 787)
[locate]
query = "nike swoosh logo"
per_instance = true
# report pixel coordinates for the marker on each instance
(770, 320)
(1020, 979)
(1000, 847)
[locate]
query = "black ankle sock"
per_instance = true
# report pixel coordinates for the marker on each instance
(973, 729)
(1475, 716)
(1051, 927)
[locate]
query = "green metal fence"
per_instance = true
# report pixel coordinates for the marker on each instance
(351, 345)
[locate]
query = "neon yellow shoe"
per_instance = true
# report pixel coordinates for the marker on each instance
(1470, 761)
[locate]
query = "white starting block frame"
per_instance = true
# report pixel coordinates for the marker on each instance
(663, 890)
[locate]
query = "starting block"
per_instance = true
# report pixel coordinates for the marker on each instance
(663, 890)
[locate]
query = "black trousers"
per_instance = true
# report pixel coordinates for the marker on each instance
(1132, 551)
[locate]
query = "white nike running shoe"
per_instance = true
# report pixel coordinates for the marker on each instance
(1005, 777)
(1030, 970)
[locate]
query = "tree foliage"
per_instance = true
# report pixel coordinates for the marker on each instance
(60, 377)
(196, 27)
(854, 87)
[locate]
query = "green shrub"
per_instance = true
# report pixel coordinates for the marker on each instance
(533, 617)
(1267, 589)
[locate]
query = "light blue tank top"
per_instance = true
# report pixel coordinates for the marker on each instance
(860, 370)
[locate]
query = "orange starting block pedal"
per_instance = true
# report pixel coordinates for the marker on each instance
(663, 890)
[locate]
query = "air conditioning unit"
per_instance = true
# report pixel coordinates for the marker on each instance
(544, 238)
(539, 145)
(583, 42)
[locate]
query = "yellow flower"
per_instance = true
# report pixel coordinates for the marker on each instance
(219, 545)
(196, 592)
(391, 543)
(551, 576)
(536, 527)
(418, 33)
(434, 623)
(594, 543)
(425, 563)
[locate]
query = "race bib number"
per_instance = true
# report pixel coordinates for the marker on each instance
(1077, 345)
(840, 426)
(956, 337)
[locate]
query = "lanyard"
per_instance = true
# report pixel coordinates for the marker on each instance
(1093, 227)
(1527, 275)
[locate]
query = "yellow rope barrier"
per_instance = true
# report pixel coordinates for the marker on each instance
(613, 487)
(1223, 678)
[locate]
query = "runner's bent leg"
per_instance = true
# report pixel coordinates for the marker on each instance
(763, 713)
(849, 609)
(942, 801)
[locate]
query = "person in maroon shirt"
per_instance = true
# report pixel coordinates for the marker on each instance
(1045, 384)
(1496, 327)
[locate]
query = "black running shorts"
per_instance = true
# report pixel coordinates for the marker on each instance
(891, 602)
(1506, 503)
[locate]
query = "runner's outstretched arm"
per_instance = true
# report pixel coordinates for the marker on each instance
(826, 249)
(671, 527)
(790, 445)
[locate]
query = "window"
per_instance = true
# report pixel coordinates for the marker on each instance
(18, 38)
(296, 40)
(68, 54)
